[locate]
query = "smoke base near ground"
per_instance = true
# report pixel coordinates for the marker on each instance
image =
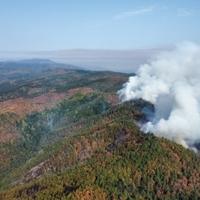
(171, 82)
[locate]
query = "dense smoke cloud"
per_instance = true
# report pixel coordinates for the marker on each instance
(172, 83)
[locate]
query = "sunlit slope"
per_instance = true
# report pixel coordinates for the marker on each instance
(36, 111)
(112, 159)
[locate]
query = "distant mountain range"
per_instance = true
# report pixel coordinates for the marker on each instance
(35, 63)
(114, 60)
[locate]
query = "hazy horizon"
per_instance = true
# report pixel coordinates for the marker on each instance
(113, 60)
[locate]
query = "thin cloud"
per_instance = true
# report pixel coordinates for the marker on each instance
(134, 13)
(183, 12)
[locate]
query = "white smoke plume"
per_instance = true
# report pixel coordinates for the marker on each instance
(172, 83)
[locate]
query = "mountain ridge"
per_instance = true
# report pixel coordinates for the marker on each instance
(71, 138)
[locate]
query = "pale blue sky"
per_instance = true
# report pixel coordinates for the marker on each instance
(96, 24)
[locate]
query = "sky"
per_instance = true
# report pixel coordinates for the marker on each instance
(33, 25)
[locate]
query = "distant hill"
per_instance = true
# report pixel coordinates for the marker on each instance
(37, 64)
(126, 61)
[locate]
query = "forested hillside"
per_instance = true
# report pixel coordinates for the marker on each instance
(65, 135)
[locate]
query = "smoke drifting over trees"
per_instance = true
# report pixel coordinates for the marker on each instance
(172, 83)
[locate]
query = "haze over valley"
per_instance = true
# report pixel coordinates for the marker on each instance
(112, 60)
